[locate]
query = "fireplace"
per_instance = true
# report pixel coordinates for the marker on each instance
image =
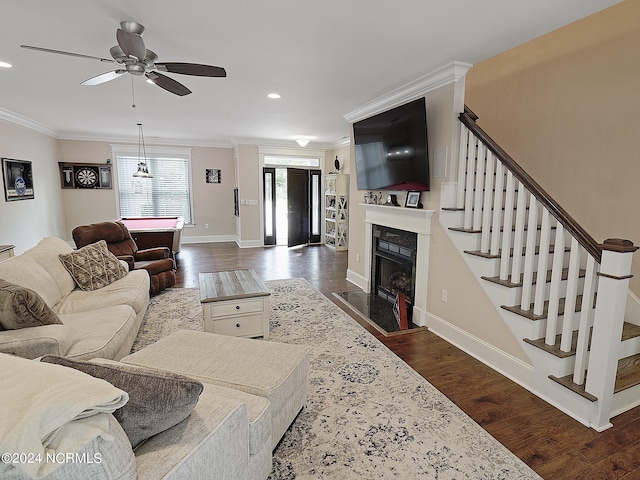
(394, 264)
(412, 220)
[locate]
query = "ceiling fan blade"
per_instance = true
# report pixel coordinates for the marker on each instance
(131, 44)
(169, 84)
(196, 69)
(103, 77)
(70, 54)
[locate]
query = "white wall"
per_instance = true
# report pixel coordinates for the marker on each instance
(24, 223)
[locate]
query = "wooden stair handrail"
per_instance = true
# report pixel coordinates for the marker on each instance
(468, 118)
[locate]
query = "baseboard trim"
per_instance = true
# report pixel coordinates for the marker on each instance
(511, 367)
(208, 238)
(358, 280)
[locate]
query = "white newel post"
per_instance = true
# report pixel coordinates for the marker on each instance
(411, 220)
(613, 284)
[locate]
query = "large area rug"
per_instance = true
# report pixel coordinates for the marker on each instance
(368, 414)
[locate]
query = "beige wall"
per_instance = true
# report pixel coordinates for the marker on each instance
(249, 180)
(24, 223)
(468, 308)
(212, 203)
(565, 107)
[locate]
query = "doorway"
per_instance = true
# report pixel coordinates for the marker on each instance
(292, 206)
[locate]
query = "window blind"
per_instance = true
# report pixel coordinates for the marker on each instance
(166, 194)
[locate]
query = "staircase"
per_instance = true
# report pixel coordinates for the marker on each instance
(561, 293)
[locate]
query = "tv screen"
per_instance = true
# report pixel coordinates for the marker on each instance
(391, 149)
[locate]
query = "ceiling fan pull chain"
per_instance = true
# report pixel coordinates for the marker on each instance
(133, 95)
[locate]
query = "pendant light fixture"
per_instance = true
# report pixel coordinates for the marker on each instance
(143, 169)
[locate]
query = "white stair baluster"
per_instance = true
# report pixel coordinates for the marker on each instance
(518, 236)
(471, 170)
(462, 166)
(497, 209)
(543, 262)
(479, 186)
(554, 292)
(488, 206)
(506, 227)
(586, 321)
(570, 297)
(530, 253)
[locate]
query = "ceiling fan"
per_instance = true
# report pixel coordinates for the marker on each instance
(131, 56)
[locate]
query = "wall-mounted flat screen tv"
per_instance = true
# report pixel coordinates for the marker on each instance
(391, 149)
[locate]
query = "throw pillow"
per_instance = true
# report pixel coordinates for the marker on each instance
(157, 400)
(21, 307)
(93, 266)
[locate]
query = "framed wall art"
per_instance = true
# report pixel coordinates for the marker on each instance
(85, 175)
(18, 179)
(213, 175)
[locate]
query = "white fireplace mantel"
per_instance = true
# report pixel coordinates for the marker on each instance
(411, 220)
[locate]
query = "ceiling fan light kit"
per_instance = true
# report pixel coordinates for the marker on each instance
(132, 56)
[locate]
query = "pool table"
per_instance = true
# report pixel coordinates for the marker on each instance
(149, 232)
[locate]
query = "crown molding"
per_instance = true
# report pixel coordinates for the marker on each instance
(17, 119)
(178, 142)
(281, 144)
(418, 88)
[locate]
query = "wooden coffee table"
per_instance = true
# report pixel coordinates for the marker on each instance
(235, 303)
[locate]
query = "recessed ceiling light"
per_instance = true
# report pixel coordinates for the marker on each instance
(274, 95)
(302, 142)
(5, 65)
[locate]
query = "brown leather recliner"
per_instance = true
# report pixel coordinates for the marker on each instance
(156, 261)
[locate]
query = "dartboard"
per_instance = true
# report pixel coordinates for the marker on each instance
(86, 177)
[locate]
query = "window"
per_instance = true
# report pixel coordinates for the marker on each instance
(168, 193)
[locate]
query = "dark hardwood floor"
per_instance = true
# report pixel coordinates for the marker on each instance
(550, 442)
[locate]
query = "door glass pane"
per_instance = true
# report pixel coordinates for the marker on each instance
(315, 204)
(268, 203)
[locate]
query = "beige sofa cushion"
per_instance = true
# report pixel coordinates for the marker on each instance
(132, 290)
(45, 253)
(100, 333)
(27, 272)
(21, 307)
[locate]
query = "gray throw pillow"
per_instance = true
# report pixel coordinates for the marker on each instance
(21, 307)
(157, 400)
(93, 266)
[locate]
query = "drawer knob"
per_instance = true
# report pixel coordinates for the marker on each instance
(237, 307)
(237, 325)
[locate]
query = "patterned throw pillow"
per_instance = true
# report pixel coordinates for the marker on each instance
(21, 307)
(93, 266)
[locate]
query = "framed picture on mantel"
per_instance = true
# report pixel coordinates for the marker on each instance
(413, 200)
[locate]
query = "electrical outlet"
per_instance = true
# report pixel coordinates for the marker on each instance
(206, 225)
(444, 296)
(357, 258)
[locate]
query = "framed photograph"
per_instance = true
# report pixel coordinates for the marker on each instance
(18, 179)
(413, 200)
(213, 175)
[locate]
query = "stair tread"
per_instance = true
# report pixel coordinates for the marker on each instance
(555, 349)
(628, 373)
(627, 376)
(478, 253)
(510, 284)
(517, 309)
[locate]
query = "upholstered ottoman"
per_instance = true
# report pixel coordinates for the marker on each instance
(275, 371)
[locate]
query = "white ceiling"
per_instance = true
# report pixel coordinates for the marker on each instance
(325, 58)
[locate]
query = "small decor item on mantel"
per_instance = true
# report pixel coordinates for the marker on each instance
(213, 175)
(392, 200)
(413, 200)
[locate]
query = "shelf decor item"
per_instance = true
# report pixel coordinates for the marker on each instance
(413, 200)
(18, 179)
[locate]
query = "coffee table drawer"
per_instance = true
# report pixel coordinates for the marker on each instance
(237, 307)
(240, 326)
